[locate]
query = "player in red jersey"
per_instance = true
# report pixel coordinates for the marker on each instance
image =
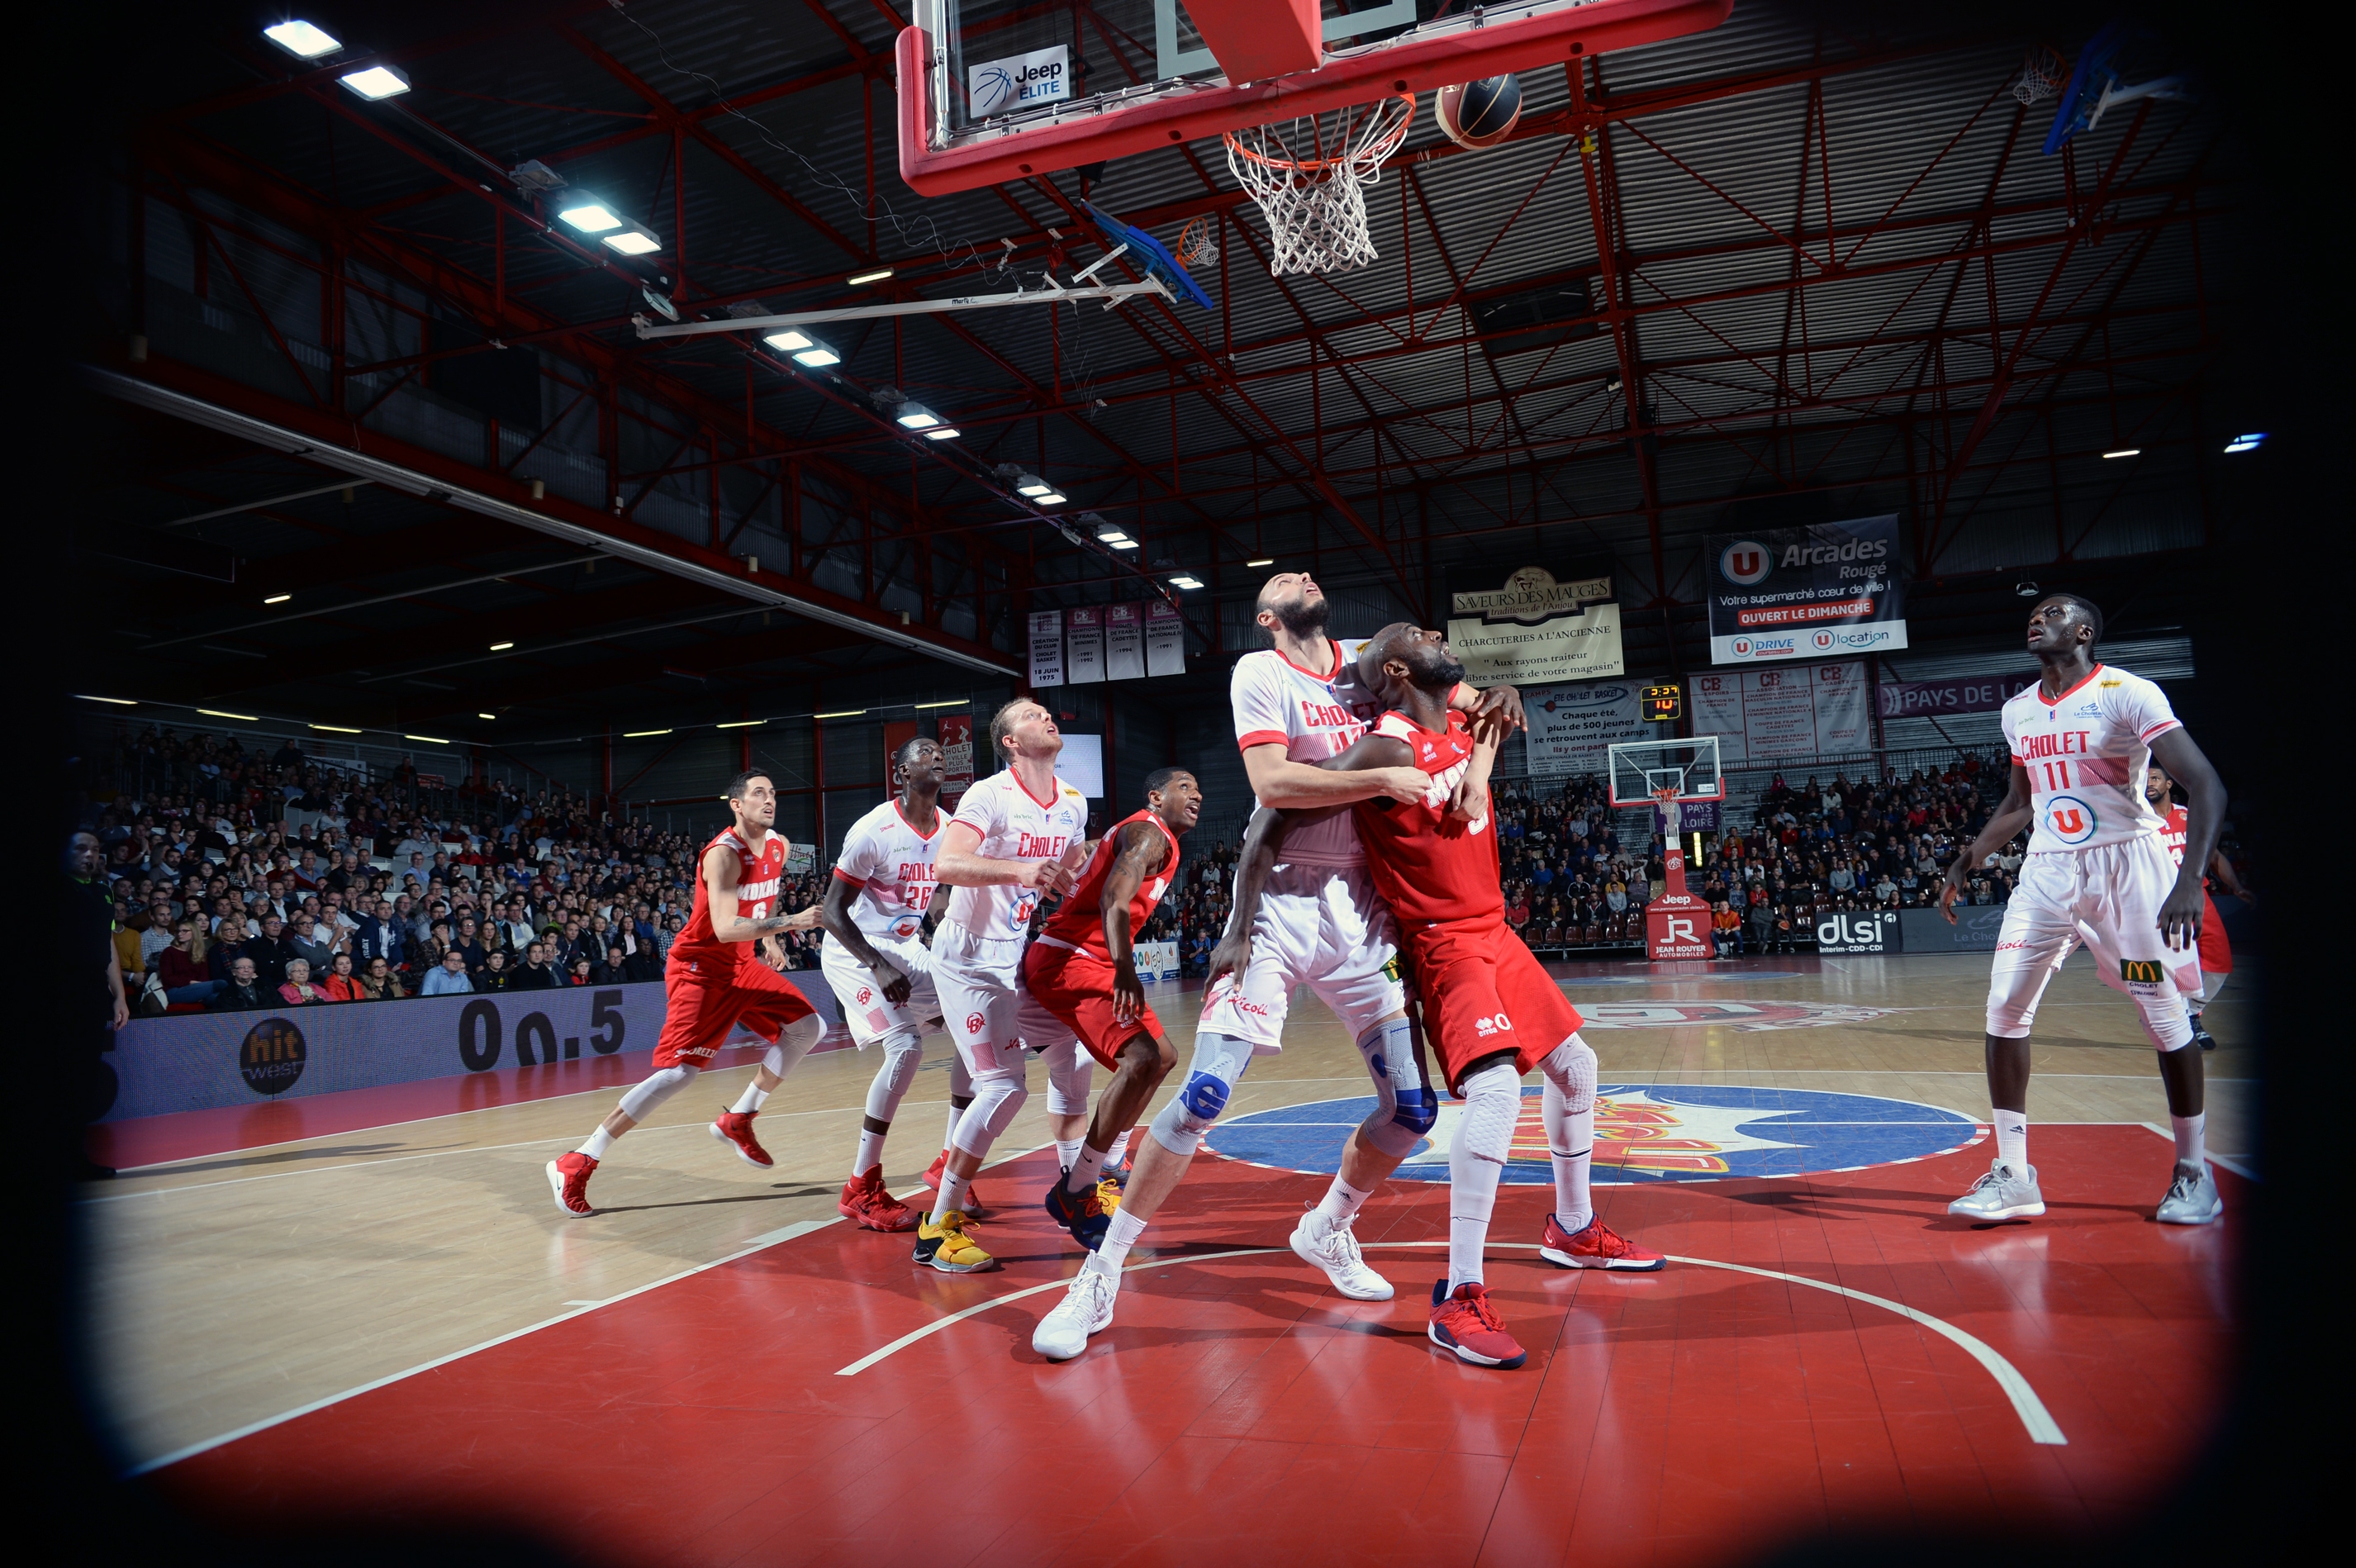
(1490, 1011)
(2216, 951)
(718, 976)
(1082, 968)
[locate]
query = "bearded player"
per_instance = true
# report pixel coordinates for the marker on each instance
(1083, 970)
(1015, 838)
(1312, 919)
(877, 908)
(2216, 951)
(714, 981)
(2098, 871)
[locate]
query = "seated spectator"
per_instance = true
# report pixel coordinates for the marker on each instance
(535, 973)
(379, 984)
(311, 944)
(615, 970)
(449, 978)
(1616, 896)
(1727, 930)
(495, 975)
(644, 964)
(270, 951)
(298, 989)
(182, 969)
(581, 968)
(244, 993)
(341, 984)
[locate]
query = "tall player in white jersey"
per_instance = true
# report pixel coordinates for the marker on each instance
(876, 910)
(2098, 871)
(1017, 836)
(1319, 923)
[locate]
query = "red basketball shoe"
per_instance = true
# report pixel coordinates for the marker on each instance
(568, 1177)
(1595, 1246)
(864, 1200)
(736, 1127)
(1466, 1324)
(974, 1207)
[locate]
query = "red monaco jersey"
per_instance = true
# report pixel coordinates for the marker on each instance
(1078, 921)
(2172, 824)
(758, 877)
(1431, 870)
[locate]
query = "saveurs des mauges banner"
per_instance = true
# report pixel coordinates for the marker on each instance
(1788, 594)
(1535, 624)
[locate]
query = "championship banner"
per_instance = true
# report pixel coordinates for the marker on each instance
(1124, 643)
(1571, 727)
(1046, 648)
(1803, 593)
(1166, 639)
(956, 750)
(1528, 627)
(1084, 648)
(1775, 715)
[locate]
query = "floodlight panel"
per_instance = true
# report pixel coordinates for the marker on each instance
(788, 338)
(303, 40)
(378, 81)
(818, 356)
(634, 241)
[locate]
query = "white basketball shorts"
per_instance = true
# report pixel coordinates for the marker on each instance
(979, 984)
(2109, 899)
(1320, 926)
(864, 1010)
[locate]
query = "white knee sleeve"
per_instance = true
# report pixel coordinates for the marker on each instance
(1569, 1069)
(1493, 1104)
(2164, 1018)
(997, 1094)
(794, 1042)
(643, 1100)
(1219, 1062)
(1070, 1071)
(1405, 1106)
(902, 1053)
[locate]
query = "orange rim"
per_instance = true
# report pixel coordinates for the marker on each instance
(1379, 150)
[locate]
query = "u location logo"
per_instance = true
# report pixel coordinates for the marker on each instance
(271, 1056)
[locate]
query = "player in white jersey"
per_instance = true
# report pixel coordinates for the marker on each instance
(1017, 836)
(2098, 871)
(1319, 923)
(876, 911)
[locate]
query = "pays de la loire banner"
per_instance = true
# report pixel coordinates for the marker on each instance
(1791, 715)
(1535, 625)
(1787, 594)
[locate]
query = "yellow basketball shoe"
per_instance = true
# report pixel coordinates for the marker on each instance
(947, 1248)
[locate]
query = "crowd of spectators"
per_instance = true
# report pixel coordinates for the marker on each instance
(250, 879)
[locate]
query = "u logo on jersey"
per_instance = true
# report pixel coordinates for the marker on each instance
(2069, 818)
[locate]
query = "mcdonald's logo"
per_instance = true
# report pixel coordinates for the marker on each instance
(2140, 972)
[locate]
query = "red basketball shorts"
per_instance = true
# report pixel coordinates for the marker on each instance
(701, 1011)
(1482, 993)
(2216, 953)
(1077, 987)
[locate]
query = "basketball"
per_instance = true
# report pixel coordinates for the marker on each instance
(1481, 114)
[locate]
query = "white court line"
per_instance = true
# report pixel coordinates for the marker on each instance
(2238, 1164)
(2042, 1428)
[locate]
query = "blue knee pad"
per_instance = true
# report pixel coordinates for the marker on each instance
(1405, 1107)
(1219, 1062)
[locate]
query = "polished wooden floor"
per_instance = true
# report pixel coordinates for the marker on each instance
(400, 1315)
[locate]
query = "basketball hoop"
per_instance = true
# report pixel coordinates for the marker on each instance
(2042, 72)
(1310, 181)
(1195, 247)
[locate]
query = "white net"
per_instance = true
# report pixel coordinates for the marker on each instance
(2042, 72)
(1311, 181)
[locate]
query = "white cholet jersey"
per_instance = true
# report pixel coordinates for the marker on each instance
(2085, 753)
(889, 865)
(1014, 824)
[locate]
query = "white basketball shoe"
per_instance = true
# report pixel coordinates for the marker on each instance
(2192, 1197)
(1330, 1246)
(1085, 1309)
(2007, 1192)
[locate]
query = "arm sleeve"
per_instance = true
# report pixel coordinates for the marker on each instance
(1258, 701)
(2143, 707)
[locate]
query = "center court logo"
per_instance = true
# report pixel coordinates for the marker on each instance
(271, 1056)
(1644, 1134)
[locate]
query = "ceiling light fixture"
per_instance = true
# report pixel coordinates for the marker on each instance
(1184, 580)
(642, 733)
(486, 715)
(1263, 561)
(277, 598)
(1032, 485)
(742, 723)
(337, 729)
(2124, 452)
(118, 702)
(789, 340)
(591, 217)
(428, 739)
(303, 40)
(952, 702)
(876, 276)
(1050, 497)
(917, 416)
(377, 81)
(2246, 442)
(634, 240)
(845, 714)
(218, 713)
(946, 432)
(817, 356)
(501, 646)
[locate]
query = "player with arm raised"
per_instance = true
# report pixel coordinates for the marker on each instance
(1015, 837)
(876, 911)
(2216, 950)
(1083, 970)
(723, 970)
(2098, 871)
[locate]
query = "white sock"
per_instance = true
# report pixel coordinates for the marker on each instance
(1476, 1163)
(1067, 1151)
(1340, 1201)
(2012, 1138)
(951, 1195)
(948, 1139)
(750, 1102)
(599, 1142)
(1574, 1203)
(871, 1152)
(1087, 1165)
(2192, 1138)
(1119, 1149)
(1113, 1250)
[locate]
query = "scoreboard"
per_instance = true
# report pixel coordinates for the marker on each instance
(1664, 703)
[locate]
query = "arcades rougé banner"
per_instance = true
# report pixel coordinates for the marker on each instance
(1788, 594)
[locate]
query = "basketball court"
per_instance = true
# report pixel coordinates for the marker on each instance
(307, 1311)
